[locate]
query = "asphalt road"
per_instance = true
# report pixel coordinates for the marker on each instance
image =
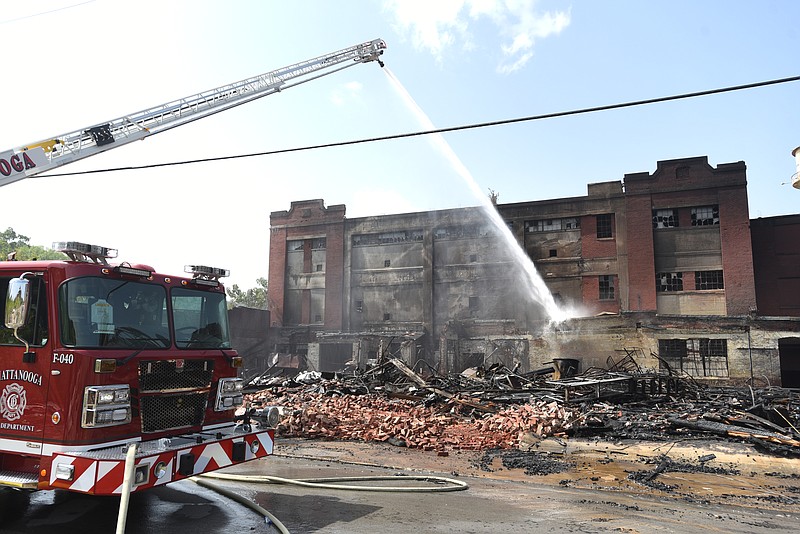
(580, 499)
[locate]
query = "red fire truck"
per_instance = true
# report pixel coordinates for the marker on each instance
(96, 355)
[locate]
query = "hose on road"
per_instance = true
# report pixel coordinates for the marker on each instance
(445, 484)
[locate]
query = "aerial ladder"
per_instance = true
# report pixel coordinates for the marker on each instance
(42, 156)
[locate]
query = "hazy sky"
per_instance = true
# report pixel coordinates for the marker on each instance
(73, 64)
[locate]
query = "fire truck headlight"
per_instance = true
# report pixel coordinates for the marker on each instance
(65, 472)
(160, 470)
(230, 385)
(106, 406)
(229, 394)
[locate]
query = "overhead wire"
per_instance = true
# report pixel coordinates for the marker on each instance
(501, 122)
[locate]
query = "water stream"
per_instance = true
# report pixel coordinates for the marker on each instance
(533, 283)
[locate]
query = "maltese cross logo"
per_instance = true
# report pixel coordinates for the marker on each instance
(12, 402)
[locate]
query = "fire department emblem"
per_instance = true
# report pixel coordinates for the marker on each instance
(12, 402)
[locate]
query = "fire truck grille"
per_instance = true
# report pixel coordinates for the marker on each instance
(171, 375)
(166, 412)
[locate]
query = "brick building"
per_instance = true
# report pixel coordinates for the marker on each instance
(659, 265)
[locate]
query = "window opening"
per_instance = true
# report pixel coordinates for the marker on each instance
(665, 219)
(606, 287)
(701, 357)
(604, 226)
(708, 280)
(552, 225)
(669, 282)
(705, 215)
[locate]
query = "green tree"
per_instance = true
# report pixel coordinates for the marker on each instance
(255, 297)
(11, 241)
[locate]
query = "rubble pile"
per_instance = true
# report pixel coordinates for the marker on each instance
(404, 422)
(495, 408)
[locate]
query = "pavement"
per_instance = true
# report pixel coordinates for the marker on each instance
(710, 471)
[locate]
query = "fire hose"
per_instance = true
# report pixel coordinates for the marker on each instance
(446, 484)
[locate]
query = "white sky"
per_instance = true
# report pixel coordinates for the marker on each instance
(71, 64)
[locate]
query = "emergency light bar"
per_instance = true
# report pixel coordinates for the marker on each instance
(206, 272)
(133, 271)
(84, 252)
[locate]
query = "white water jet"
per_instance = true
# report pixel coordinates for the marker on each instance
(534, 284)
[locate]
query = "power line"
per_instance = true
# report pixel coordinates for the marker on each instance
(445, 130)
(32, 15)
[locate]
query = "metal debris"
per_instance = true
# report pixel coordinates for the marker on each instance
(496, 407)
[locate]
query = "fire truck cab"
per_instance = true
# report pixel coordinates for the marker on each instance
(95, 356)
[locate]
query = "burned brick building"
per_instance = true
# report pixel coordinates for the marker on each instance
(662, 268)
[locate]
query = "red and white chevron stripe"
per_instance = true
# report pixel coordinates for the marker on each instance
(103, 476)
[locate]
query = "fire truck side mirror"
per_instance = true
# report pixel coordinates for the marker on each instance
(18, 300)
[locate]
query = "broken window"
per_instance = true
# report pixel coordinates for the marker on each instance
(705, 215)
(387, 316)
(387, 263)
(665, 219)
(669, 282)
(293, 245)
(359, 306)
(552, 225)
(387, 237)
(697, 357)
(604, 226)
(606, 287)
(708, 280)
(318, 243)
(465, 231)
(319, 267)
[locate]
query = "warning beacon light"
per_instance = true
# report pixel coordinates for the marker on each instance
(202, 275)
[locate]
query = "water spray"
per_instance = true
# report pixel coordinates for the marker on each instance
(534, 283)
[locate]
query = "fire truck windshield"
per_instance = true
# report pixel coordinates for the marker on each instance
(200, 319)
(107, 312)
(103, 312)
